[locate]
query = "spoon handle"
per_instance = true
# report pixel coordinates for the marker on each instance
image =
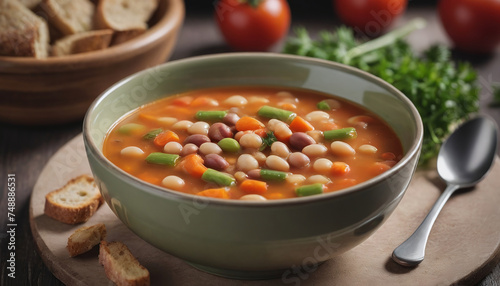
(412, 251)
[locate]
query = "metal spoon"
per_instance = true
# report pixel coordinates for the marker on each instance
(463, 160)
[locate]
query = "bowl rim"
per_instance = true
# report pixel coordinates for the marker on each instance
(172, 19)
(413, 150)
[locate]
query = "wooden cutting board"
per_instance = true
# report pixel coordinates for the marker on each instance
(464, 245)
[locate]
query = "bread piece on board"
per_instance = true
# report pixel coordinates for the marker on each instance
(74, 203)
(121, 266)
(85, 238)
(22, 33)
(70, 16)
(82, 42)
(123, 15)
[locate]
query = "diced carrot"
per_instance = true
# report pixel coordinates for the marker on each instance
(248, 123)
(378, 168)
(339, 168)
(388, 156)
(148, 117)
(262, 132)
(165, 137)
(204, 101)
(253, 187)
(178, 111)
(193, 165)
(182, 101)
(288, 106)
(299, 124)
(219, 193)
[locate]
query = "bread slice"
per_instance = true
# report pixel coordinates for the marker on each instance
(123, 15)
(75, 202)
(85, 238)
(123, 36)
(121, 266)
(70, 16)
(82, 42)
(22, 33)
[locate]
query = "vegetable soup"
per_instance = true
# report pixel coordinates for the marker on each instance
(252, 143)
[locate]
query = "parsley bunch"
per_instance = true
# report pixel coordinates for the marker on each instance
(444, 92)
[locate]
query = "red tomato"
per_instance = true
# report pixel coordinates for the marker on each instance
(472, 25)
(369, 17)
(252, 28)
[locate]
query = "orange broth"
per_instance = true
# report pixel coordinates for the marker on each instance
(376, 147)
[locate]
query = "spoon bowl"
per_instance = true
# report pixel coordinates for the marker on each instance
(464, 159)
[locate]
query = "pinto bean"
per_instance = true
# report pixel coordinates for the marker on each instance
(299, 140)
(196, 139)
(189, 148)
(219, 131)
(216, 162)
(230, 119)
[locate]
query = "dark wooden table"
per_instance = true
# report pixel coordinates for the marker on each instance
(25, 150)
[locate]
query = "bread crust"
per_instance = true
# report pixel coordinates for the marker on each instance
(70, 17)
(121, 266)
(82, 42)
(22, 33)
(70, 213)
(85, 238)
(114, 14)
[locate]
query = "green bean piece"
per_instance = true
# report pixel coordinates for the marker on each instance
(272, 175)
(219, 178)
(229, 145)
(323, 105)
(130, 128)
(276, 113)
(212, 115)
(162, 159)
(309, 190)
(152, 134)
(340, 134)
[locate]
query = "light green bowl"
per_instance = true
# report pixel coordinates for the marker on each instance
(241, 239)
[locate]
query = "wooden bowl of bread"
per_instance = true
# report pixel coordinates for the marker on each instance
(57, 56)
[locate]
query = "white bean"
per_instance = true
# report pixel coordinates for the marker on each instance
(182, 125)
(295, 179)
(210, 148)
(317, 135)
(251, 140)
(240, 176)
(317, 116)
(279, 148)
(173, 182)
(132, 151)
(315, 150)
(317, 179)
(167, 121)
(284, 94)
(253, 197)
(246, 162)
(199, 127)
(298, 160)
(236, 100)
(341, 148)
(277, 163)
(322, 165)
(258, 100)
(172, 147)
(260, 157)
(367, 149)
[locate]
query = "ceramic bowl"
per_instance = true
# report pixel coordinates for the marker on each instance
(253, 240)
(60, 89)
